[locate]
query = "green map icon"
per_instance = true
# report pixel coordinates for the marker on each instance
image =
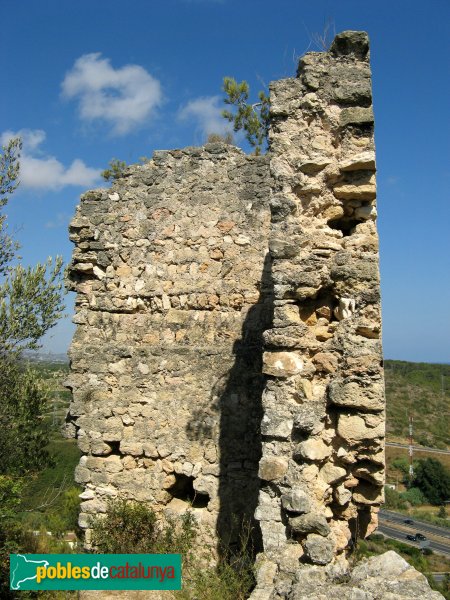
(23, 569)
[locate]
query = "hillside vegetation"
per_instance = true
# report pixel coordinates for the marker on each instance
(423, 391)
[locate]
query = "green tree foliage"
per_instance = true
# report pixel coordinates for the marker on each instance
(414, 496)
(433, 480)
(392, 499)
(253, 119)
(402, 464)
(115, 171)
(30, 305)
(65, 517)
(23, 399)
(10, 491)
(30, 297)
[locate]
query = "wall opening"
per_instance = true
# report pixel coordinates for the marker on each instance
(345, 225)
(183, 489)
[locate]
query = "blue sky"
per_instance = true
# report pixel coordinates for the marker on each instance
(162, 62)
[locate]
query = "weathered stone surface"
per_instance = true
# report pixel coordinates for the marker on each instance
(271, 468)
(370, 472)
(171, 283)
(309, 417)
(351, 43)
(364, 493)
(366, 395)
(384, 577)
(363, 160)
(276, 427)
(310, 523)
(345, 309)
(342, 495)
(353, 429)
(356, 191)
(285, 337)
(296, 501)
(331, 473)
(227, 326)
(282, 364)
(356, 116)
(319, 550)
(325, 361)
(368, 211)
(324, 185)
(313, 449)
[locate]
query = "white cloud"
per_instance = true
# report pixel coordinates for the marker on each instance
(40, 171)
(125, 97)
(393, 180)
(61, 220)
(206, 112)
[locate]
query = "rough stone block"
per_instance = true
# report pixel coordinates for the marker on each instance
(272, 468)
(310, 523)
(282, 364)
(319, 550)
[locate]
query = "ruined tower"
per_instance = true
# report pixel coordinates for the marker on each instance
(227, 353)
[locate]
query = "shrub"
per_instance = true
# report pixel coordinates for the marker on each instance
(393, 499)
(433, 480)
(214, 138)
(129, 527)
(414, 496)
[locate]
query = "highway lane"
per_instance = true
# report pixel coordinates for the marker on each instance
(438, 577)
(418, 448)
(419, 526)
(396, 534)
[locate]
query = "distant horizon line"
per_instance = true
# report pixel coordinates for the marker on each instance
(48, 353)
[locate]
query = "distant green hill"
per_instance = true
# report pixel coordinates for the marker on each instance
(423, 391)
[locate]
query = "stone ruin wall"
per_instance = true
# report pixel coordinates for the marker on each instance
(170, 271)
(322, 469)
(228, 314)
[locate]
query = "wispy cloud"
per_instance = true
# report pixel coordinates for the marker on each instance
(124, 98)
(44, 172)
(60, 220)
(206, 113)
(392, 180)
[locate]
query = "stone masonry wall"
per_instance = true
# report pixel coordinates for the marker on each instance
(178, 297)
(322, 468)
(173, 294)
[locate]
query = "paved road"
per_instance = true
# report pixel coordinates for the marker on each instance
(438, 577)
(420, 526)
(392, 531)
(418, 448)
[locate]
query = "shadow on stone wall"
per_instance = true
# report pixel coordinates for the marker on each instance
(237, 398)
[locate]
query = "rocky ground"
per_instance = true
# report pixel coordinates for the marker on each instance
(384, 577)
